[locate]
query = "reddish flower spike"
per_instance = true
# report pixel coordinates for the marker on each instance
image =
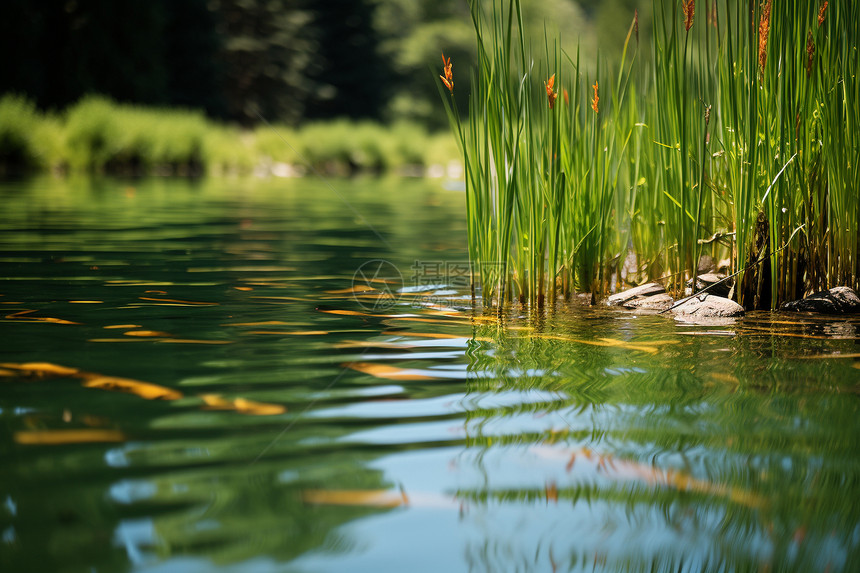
(689, 11)
(448, 78)
(550, 95)
(763, 33)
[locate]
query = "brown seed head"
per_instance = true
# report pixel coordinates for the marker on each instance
(595, 99)
(550, 95)
(448, 78)
(821, 13)
(636, 24)
(763, 32)
(810, 53)
(689, 11)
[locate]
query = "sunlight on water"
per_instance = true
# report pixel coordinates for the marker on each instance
(196, 377)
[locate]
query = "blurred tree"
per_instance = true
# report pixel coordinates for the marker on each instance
(414, 33)
(156, 52)
(349, 74)
(267, 48)
(284, 60)
(194, 74)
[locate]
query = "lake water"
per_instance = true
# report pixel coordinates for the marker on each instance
(288, 376)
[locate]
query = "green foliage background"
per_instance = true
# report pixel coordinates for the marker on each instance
(286, 60)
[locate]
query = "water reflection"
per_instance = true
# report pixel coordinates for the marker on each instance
(302, 431)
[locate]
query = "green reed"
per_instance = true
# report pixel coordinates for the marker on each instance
(738, 140)
(542, 149)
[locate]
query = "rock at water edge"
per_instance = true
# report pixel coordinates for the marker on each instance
(708, 305)
(642, 291)
(838, 300)
(657, 302)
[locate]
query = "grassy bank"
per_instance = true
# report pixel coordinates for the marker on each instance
(97, 135)
(738, 141)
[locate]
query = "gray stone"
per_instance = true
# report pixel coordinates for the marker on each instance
(706, 264)
(707, 279)
(838, 300)
(660, 301)
(708, 306)
(640, 292)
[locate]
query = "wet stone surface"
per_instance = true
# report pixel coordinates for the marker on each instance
(658, 302)
(838, 300)
(636, 293)
(708, 305)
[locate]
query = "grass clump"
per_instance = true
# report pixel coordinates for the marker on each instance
(739, 141)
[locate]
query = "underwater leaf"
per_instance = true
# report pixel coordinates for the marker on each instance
(292, 332)
(180, 302)
(122, 326)
(241, 405)
(354, 289)
(365, 497)
(118, 340)
(142, 389)
(53, 437)
(245, 406)
(372, 344)
(421, 334)
(288, 298)
(605, 342)
(191, 341)
(388, 372)
(146, 333)
(41, 369)
(349, 313)
(20, 317)
(266, 323)
(431, 320)
(216, 402)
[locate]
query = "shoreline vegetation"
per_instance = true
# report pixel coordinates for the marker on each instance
(97, 135)
(733, 137)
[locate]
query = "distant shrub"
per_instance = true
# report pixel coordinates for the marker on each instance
(18, 133)
(227, 151)
(98, 135)
(91, 133)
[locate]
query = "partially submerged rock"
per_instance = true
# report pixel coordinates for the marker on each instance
(640, 292)
(838, 300)
(660, 301)
(707, 306)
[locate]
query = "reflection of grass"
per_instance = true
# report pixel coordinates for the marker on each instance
(719, 436)
(99, 135)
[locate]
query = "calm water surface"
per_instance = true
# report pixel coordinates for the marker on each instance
(195, 378)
